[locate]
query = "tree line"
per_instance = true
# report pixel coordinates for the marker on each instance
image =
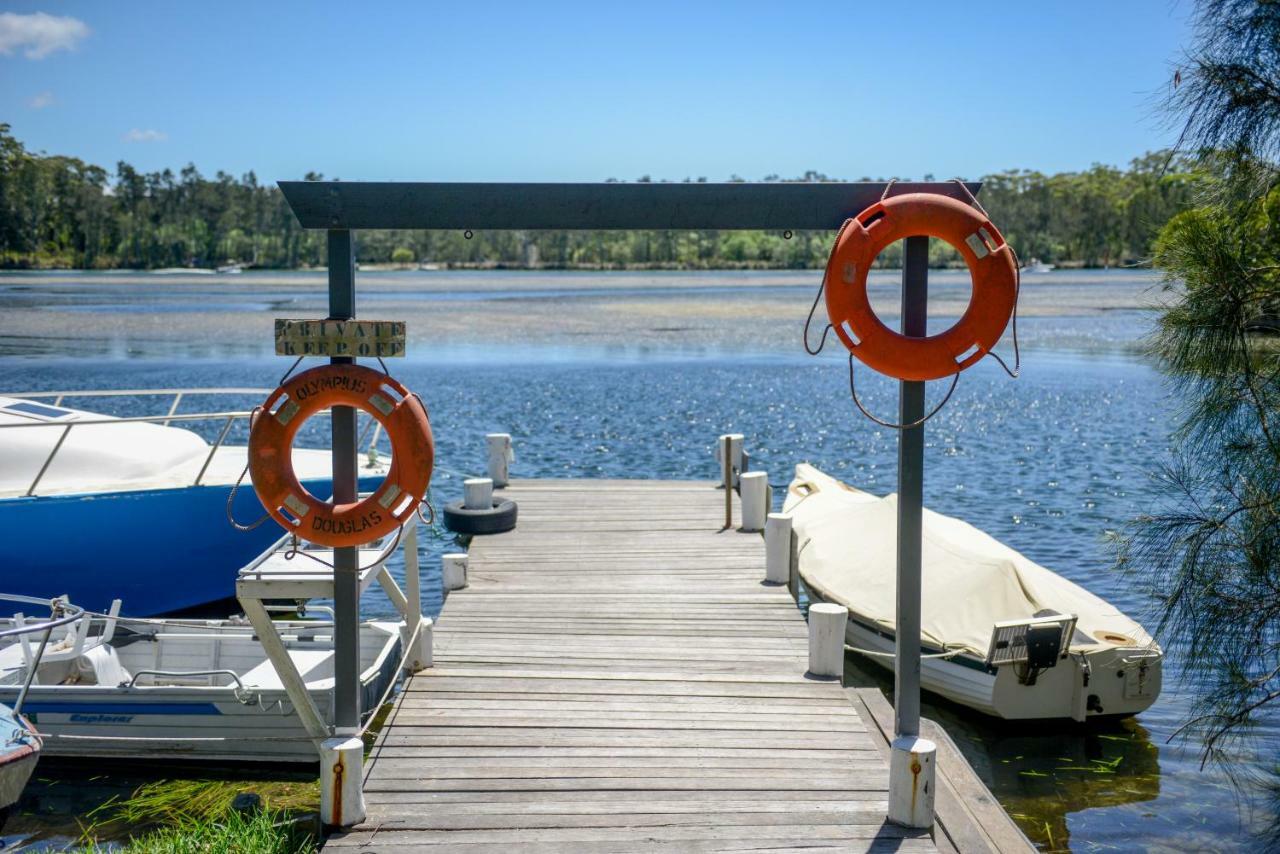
(58, 211)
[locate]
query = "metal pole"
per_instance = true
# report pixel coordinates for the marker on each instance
(346, 582)
(906, 683)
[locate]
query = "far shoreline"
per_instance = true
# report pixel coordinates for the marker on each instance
(428, 267)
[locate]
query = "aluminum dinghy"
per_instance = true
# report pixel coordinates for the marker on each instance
(1009, 638)
(118, 687)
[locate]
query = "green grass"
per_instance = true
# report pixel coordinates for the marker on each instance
(232, 833)
(183, 802)
(181, 816)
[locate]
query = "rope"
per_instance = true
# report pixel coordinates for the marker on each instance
(293, 551)
(821, 287)
(955, 380)
(429, 521)
(1017, 291)
(392, 684)
(231, 496)
(875, 653)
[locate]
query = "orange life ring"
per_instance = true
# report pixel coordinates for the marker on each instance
(991, 264)
(271, 435)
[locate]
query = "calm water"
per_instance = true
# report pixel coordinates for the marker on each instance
(1049, 463)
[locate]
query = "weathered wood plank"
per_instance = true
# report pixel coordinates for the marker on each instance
(391, 767)
(598, 801)
(523, 836)
(398, 820)
(635, 845)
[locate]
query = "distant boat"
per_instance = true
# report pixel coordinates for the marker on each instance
(230, 269)
(182, 271)
(1001, 634)
(1035, 265)
(132, 508)
(430, 265)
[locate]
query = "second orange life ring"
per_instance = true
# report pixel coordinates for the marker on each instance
(271, 435)
(991, 264)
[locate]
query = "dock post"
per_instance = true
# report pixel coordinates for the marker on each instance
(346, 574)
(827, 622)
(777, 548)
(912, 758)
(477, 493)
(342, 781)
(454, 571)
(754, 491)
(499, 457)
(793, 567)
(729, 452)
(909, 772)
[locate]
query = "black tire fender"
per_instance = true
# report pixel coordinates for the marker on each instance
(499, 518)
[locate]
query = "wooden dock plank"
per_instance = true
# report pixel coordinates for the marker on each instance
(618, 678)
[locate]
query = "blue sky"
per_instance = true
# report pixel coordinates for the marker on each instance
(552, 91)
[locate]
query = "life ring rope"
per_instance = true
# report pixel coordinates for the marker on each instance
(981, 240)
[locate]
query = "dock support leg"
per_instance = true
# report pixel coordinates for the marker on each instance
(346, 575)
(910, 776)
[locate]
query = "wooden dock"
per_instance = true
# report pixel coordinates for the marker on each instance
(617, 677)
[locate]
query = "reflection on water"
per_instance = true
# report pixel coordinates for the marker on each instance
(1050, 776)
(1049, 463)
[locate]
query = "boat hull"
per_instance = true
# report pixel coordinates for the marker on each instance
(18, 758)
(198, 723)
(160, 551)
(1105, 683)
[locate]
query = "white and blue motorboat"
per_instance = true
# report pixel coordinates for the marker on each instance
(99, 507)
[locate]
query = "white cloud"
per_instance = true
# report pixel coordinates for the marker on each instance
(40, 34)
(147, 135)
(41, 100)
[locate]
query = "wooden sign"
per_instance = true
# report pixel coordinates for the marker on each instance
(370, 338)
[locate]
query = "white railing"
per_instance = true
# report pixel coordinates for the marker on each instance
(166, 419)
(171, 415)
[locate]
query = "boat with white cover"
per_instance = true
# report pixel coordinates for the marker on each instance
(999, 633)
(86, 490)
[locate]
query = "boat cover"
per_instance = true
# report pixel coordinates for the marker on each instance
(847, 542)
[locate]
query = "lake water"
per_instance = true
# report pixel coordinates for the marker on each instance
(635, 374)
